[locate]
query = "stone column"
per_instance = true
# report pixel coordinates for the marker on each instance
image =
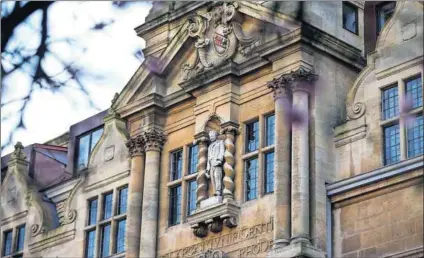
(281, 92)
(135, 196)
(301, 85)
(202, 141)
(230, 131)
(154, 141)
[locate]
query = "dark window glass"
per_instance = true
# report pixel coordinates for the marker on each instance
(191, 205)
(176, 165)
(7, 243)
(90, 243)
(192, 159)
(390, 103)
(384, 12)
(86, 145)
(391, 144)
(122, 200)
(20, 238)
(350, 17)
(269, 172)
(270, 130)
(92, 212)
(252, 136)
(107, 206)
(416, 138)
(105, 243)
(415, 91)
(251, 178)
(175, 205)
(120, 236)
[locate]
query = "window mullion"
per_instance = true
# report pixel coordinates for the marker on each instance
(402, 124)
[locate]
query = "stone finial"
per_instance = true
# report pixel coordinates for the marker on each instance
(18, 153)
(154, 140)
(135, 145)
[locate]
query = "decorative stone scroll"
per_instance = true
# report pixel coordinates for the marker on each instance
(219, 36)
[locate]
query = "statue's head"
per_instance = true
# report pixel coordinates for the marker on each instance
(213, 135)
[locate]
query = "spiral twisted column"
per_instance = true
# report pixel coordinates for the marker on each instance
(135, 195)
(230, 131)
(202, 182)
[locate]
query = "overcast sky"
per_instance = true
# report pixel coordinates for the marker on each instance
(109, 53)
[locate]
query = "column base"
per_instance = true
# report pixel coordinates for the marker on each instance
(296, 250)
(280, 243)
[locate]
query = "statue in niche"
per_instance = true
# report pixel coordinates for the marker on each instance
(215, 162)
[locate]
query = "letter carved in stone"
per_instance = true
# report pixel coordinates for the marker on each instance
(213, 254)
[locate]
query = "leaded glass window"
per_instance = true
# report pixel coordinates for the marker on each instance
(192, 159)
(120, 236)
(122, 200)
(414, 90)
(390, 102)
(269, 172)
(350, 17)
(86, 145)
(270, 130)
(252, 136)
(105, 241)
(107, 205)
(191, 205)
(7, 243)
(92, 211)
(176, 164)
(175, 205)
(251, 177)
(90, 244)
(20, 239)
(416, 137)
(391, 144)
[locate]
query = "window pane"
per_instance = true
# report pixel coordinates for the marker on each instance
(416, 138)
(191, 205)
(252, 136)
(391, 144)
(270, 130)
(384, 12)
(20, 238)
(350, 15)
(192, 159)
(107, 206)
(122, 200)
(83, 152)
(120, 236)
(175, 205)
(95, 137)
(390, 103)
(269, 172)
(415, 91)
(7, 243)
(176, 165)
(90, 244)
(105, 244)
(251, 178)
(92, 212)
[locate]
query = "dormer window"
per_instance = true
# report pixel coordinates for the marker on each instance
(85, 145)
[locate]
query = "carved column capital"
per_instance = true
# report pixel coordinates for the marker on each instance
(135, 146)
(297, 80)
(154, 140)
(281, 87)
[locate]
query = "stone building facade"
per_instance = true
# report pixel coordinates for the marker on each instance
(252, 129)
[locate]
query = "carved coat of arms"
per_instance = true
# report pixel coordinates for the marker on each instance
(219, 36)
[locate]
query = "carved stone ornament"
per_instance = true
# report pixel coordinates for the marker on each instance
(213, 254)
(219, 36)
(289, 82)
(153, 139)
(135, 146)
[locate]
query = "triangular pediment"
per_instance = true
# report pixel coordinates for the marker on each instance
(209, 38)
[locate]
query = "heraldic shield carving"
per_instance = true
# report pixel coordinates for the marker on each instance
(219, 36)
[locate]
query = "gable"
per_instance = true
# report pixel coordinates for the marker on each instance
(212, 37)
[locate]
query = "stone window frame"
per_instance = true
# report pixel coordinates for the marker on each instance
(100, 222)
(259, 154)
(184, 181)
(14, 253)
(90, 147)
(401, 85)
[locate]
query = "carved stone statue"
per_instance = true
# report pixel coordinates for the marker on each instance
(215, 162)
